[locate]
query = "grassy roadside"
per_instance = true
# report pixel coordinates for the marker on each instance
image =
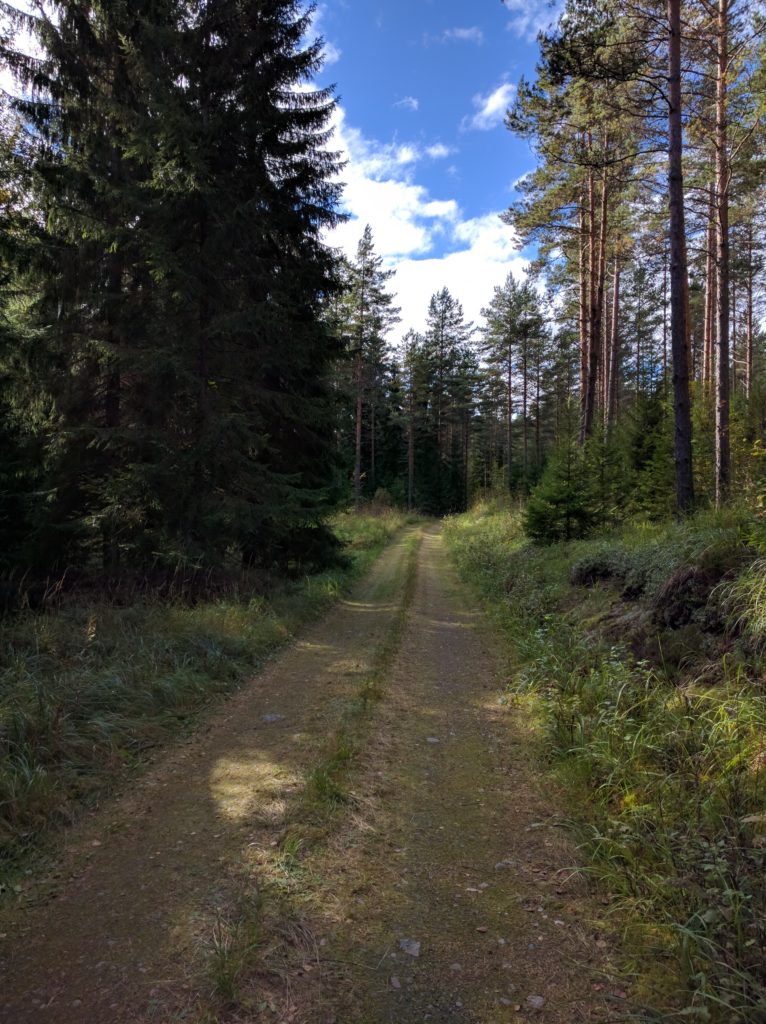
(641, 651)
(89, 689)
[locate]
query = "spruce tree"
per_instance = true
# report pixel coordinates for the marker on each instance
(184, 175)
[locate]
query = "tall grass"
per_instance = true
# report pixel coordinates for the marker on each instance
(88, 688)
(667, 774)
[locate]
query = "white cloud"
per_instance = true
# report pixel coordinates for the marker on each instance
(332, 53)
(408, 103)
(533, 16)
(471, 274)
(379, 190)
(438, 151)
(407, 154)
(410, 225)
(490, 109)
(464, 35)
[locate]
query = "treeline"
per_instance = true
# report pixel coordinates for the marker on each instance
(166, 376)
(454, 410)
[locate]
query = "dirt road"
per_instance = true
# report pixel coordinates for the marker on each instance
(265, 872)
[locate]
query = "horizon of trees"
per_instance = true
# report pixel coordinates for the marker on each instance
(190, 375)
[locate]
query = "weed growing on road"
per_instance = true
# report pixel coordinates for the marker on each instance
(233, 942)
(664, 755)
(324, 783)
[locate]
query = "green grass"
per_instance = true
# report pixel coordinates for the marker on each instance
(87, 690)
(665, 762)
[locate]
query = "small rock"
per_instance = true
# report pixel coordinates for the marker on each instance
(395, 983)
(536, 1002)
(410, 946)
(504, 1002)
(482, 928)
(456, 967)
(271, 718)
(432, 739)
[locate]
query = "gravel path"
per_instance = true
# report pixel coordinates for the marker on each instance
(440, 890)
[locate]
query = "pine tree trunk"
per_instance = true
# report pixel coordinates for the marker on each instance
(509, 418)
(358, 432)
(708, 358)
(597, 264)
(410, 462)
(538, 447)
(734, 338)
(583, 305)
(749, 315)
(679, 329)
(722, 448)
(639, 337)
(524, 394)
(614, 348)
(373, 455)
(112, 396)
(665, 321)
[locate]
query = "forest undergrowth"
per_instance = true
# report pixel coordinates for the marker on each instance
(88, 689)
(642, 653)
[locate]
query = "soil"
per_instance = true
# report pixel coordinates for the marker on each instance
(440, 884)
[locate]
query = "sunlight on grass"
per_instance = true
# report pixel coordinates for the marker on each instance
(239, 785)
(665, 760)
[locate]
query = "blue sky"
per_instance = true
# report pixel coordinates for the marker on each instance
(423, 87)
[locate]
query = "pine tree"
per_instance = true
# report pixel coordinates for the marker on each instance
(447, 353)
(364, 319)
(512, 347)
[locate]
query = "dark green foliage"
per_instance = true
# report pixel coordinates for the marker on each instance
(165, 345)
(560, 507)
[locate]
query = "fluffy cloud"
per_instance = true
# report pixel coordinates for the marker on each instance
(332, 53)
(438, 151)
(490, 108)
(486, 253)
(532, 16)
(409, 103)
(425, 239)
(379, 190)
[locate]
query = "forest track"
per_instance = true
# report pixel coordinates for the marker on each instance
(447, 837)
